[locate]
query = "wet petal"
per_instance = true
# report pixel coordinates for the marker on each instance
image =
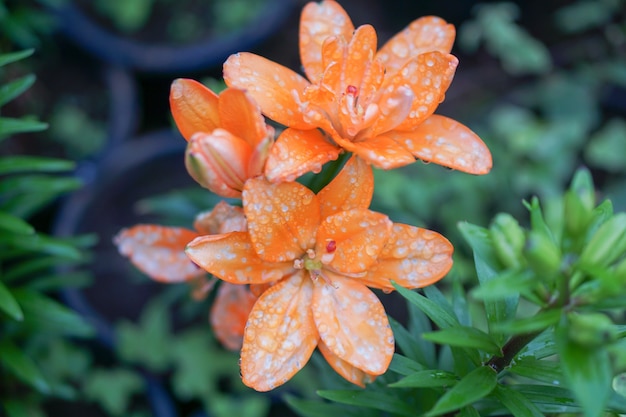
(282, 218)
(394, 106)
(352, 188)
(297, 152)
(359, 57)
(359, 236)
(194, 107)
(280, 335)
(380, 151)
(318, 22)
(223, 218)
(343, 368)
(231, 258)
(413, 257)
(159, 251)
(449, 143)
(425, 34)
(353, 324)
(229, 314)
(429, 75)
(274, 87)
(241, 116)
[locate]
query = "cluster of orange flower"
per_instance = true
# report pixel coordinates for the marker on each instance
(296, 265)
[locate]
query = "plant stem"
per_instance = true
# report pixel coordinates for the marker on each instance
(510, 350)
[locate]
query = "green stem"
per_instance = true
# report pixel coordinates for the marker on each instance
(511, 349)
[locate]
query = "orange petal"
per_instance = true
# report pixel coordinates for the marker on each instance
(218, 161)
(282, 218)
(230, 257)
(223, 218)
(343, 368)
(353, 324)
(318, 22)
(280, 335)
(359, 236)
(275, 88)
(352, 188)
(413, 257)
(423, 35)
(229, 314)
(358, 59)
(297, 152)
(429, 75)
(394, 106)
(194, 107)
(159, 251)
(447, 142)
(241, 116)
(380, 151)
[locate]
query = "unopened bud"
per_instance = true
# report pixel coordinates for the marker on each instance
(542, 254)
(508, 240)
(591, 329)
(607, 244)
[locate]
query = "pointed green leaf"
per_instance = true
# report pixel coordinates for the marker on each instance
(418, 324)
(429, 378)
(41, 244)
(434, 311)
(8, 303)
(14, 56)
(549, 399)
(472, 387)
(516, 403)
(17, 164)
(403, 365)
(538, 322)
(507, 284)
(541, 347)
(541, 370)
(407, 343)
(378, 400)
(15, 225)
(9, 126)
(465, 337)
(13, 89)
(14, 360)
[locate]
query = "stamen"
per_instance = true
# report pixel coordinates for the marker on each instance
(298, 264)
(310, 253)
(331, 246)
(352, 90)
(317, 274)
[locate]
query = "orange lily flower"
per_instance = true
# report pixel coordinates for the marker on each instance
(159, 252)
(228, 138)
(319, 252)
(376, 104)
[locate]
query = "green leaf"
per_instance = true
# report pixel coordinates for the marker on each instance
(9, 305)
(18, 164)
(536, 323)
(9, 126)
(472, 387)
(13, 89)
(13, 224)
(540, 370)
(418, 324)
(516, 402)
(429, 378)
(465, 337)
(607, 148)
(41, 244)
(14, 360)
(310, 408)
(508, 284)
(587, 371)
(19, 408)
(113, 389)
(378, 400)
(542, 346)
(14, 56)
(549, 399)
(46, 315)
(403, 365)
(434, 311)
(407, 343)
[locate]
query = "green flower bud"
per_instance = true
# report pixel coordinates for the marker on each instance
(607, 244)
(508, 240)
(591, 329)
(542, 254)
(577, 215)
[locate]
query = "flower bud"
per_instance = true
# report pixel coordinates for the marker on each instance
(607, 244)
(591, 329)
(577, 215)
(508, 240)
(542, 254)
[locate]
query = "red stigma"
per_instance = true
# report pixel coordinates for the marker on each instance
(352, 90)
(331, 246)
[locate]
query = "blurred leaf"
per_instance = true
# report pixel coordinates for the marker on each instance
(516, 402)
(19, 408)
(418, 324)
(15, 225)
(15, 361)
(378, 400)
(541, 370)
(10, 126)
(18, 164)
(24, 184)
(465, 337)
(113, 389)
(310, 408)
(9, 305)
(41, 244)
(538, 322)
(225, 405)
(428, 378)
(407, 342)
(74, 279)
(14, 56)
(471, 388)
(40, 264)
(507, 284)
(403, 365)
(540, 347)
(13, 89)
(583, 15)
(607, 148)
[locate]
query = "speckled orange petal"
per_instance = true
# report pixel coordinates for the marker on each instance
(429, 75)
(359, 236)
(343, 368)
(159, 251)
(280, 335)
(413, 257)
(394, 106)
(297, 152)
(352, 188)
(353, 324)
(223, 218)
(282, 218)
(380, 151)
(447, 142)
(318, 22)
(358, 59)
(194, 107)
(425, 34)
(231, 258)
(229, 314)
(275, 88)
(240, 115)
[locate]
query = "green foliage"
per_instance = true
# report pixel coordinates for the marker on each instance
(32, 322)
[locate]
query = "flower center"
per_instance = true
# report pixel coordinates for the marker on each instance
(314, 263)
